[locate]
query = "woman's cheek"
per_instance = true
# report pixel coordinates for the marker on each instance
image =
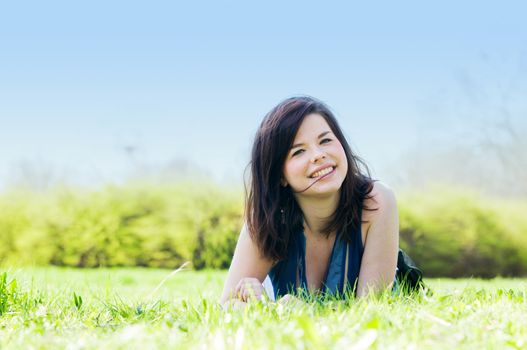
(300, 169)
(294, 174)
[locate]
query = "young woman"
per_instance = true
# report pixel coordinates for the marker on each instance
(314, 219)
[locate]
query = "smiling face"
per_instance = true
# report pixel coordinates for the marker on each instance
(316, 164)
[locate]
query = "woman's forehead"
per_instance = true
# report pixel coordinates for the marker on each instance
(312, 126)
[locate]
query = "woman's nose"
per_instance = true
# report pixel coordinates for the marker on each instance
(318, 155)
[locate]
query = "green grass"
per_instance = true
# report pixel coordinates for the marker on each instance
(45, 308)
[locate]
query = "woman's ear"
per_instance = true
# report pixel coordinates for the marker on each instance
(283, 182)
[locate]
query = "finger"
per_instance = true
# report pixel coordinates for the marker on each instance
(239, 289)
(249, 290)
(236, 290)
(247, 293)
(257, 291)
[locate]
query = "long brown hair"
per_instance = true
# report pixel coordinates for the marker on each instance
(271, 211)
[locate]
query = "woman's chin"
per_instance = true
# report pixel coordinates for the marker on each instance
(322, 190)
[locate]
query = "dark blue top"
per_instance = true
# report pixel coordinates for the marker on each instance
(290, 273)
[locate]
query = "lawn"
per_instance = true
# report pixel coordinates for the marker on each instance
(44, 308)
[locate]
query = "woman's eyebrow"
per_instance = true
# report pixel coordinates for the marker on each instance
(319, 136)
(324, 134)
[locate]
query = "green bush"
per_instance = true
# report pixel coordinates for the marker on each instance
(447, 232)
(121, 226)
(459, 233)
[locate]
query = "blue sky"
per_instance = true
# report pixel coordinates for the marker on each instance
(182, 81)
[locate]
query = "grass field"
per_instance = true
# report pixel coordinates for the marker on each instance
(49, 308)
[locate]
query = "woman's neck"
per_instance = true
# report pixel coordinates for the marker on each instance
(317, 212)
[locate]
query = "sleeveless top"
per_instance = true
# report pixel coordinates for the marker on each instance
(343, 269)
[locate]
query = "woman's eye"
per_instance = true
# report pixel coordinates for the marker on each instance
(325, 140)
(297, 152)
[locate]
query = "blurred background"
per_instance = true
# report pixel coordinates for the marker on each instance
(125, 127)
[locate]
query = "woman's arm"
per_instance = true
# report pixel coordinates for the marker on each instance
(379, 260)
(247, 272)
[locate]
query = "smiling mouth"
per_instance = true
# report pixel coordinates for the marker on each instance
(322, 172)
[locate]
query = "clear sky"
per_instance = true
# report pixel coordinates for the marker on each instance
(90, 90)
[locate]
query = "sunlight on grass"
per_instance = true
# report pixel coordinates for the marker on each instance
(119, 308)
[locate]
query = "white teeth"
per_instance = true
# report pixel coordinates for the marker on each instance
(322, 172)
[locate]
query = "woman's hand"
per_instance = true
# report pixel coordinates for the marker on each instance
(247, 261)
(249, 288)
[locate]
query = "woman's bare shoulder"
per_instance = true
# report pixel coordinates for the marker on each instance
(380, 201)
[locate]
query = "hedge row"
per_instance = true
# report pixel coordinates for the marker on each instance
(121, 226)
(458, 233)
(448, 233)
